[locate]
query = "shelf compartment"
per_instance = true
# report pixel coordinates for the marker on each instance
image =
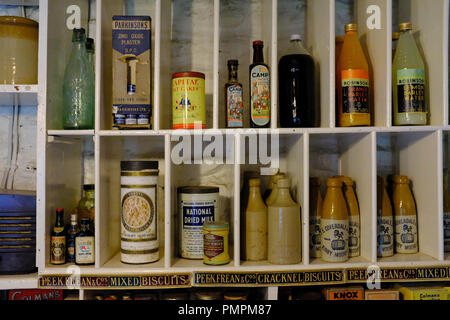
(69, 165)
(351, 155)
(415, 154)
(113, 150)
(266, 155)
(58, 48)
(201, 160)
(430, 21)
(23, 95)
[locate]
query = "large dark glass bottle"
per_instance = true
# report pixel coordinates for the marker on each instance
(259, 89)
(296, 84)
(58, 240)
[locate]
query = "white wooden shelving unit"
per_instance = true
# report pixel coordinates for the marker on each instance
(361, 153)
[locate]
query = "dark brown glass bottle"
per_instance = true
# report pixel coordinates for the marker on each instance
(58, 240)
(259, 89)
(234, 106)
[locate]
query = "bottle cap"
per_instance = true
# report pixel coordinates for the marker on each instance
(138, 165)
(405, 26)
(283, 183)
(254, 182)
(59, 210)
(314, 181)
(395, 35)
(89, 187)
(73, 217)
(351, 27)
(233, 62)
(334, 182)
(398, 179)
(258, 43)
(78, 35)
(296, 37)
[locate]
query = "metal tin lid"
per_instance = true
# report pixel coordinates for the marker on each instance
(138, 165)
(198, 189)
(351, 27)
(235, 295)
(18, 21)
(405, 26)
(192, 74)
(208, 295)
(216, 225)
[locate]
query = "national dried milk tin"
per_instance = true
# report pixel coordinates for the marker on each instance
(188, 100)
(196, 205)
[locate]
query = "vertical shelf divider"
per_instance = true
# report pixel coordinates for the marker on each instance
(273, 62)
(97, 207)
(157, 67)
(306, 203)
(167, 204)
(440, 175)
(216, 64)
(374, 220)
(237, 200)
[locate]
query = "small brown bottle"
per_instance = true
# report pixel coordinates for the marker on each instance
(405, 217)
(385, 221)
(234, 107)
(284, 227)
(256, 224)
(315, 213)
(334, 223)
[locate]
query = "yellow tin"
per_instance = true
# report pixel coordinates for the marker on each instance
(215, 243)
(188, 100)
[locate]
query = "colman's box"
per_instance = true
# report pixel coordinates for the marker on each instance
(131, 63)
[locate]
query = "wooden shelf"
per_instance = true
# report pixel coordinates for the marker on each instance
(25, 281)
(24, 95)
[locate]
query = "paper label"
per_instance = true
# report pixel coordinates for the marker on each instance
(354, 236)
(385, 236)
(314, 237)
(406, 234)
(355, 91)
(260, 95)
(334, 241)
(411, 90)
(235, 107)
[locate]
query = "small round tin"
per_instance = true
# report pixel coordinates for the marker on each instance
(188, 100)
(215, 243)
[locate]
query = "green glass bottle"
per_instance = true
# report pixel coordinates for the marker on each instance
(408, 81)
(78, 86)
(90, 50)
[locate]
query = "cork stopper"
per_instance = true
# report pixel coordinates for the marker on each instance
(334, 182)
(351, 27)
(405, 26)
(255, 182)
(398, 179)
(283, 183)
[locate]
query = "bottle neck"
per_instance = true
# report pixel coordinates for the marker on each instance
(79, 47)
(89, 194)
(258, 54)
(232, 73)
(296, 47)
(59, 219)
(85, 227)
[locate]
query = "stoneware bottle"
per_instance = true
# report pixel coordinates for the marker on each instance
(354, 225)
(284, 227)
(315, 213)
(256, 224)
(273, 194)
(405, 217)
(334, 223)
(385, 221)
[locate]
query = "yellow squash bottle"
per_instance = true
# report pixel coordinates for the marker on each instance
(385, 221)
(256, 224)
(315, 213)
(353, 82)
(334, 223)
(284, 227)
(405, 217)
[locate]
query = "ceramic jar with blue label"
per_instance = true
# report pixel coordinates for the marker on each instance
(196, 206)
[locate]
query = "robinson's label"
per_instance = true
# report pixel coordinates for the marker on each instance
(354, 236)
(260, 95)
(58, 250)
(385, 236)
(84, 250)
(195, 210)
(447, 231)
(235, 107)
(139, 236)
(314, 236)
(411, 90)
(188, 103)
(355, 91)
(334, 241)
(406, 234)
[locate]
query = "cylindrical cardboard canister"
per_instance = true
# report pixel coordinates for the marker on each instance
(139, 231)
(196, 205)
(188, 100)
